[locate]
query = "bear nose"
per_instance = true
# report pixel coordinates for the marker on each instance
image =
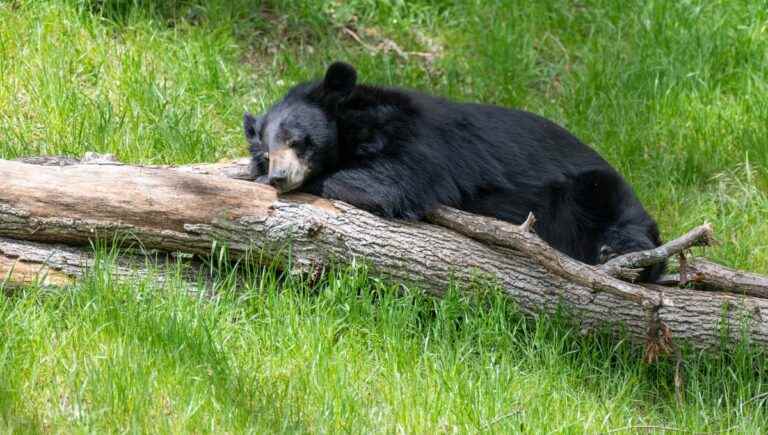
(277, 180)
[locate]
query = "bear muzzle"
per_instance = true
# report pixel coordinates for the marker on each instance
(287, 171)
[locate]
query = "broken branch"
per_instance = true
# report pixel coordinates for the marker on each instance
(625, 265)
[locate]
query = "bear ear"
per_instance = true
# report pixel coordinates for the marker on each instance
(340, 79)
(251, 126)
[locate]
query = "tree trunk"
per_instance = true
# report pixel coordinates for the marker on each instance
(24, 263)
(187, 209)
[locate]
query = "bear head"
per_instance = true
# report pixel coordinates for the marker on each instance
(297, 138)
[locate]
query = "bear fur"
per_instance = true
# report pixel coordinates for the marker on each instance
(399, 154)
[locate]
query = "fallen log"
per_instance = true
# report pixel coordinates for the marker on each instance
(522, 239)
(187, 209)
(24, 263)
(707, 275)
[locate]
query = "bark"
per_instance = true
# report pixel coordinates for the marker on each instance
(24, 263)
(712, 276)
(627, 265)
(187, 209)
(521, 238)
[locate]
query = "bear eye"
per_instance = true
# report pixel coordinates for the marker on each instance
(299, 144)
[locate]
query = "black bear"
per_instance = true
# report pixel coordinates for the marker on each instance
(399, 154)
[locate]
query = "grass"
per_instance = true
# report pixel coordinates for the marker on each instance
(349, 354)
(675, 94)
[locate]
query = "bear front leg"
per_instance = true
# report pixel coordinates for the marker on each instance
(259, 168)
(376, 194)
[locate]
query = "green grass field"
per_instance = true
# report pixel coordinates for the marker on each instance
(675, 94)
